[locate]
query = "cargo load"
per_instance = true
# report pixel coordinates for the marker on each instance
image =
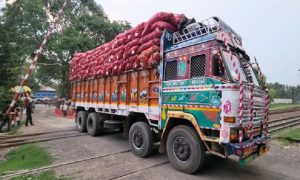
(130, 50)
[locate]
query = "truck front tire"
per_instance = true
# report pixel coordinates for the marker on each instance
(185, 149)
(81, 121)
(140, 139)
(93, 125)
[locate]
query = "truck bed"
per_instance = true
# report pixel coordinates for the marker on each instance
(132, 91)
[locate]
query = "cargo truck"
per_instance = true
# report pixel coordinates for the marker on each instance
(202, 97)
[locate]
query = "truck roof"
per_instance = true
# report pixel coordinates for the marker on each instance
(199, 32)
(191, 42)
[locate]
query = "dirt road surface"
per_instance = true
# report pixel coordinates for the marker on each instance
(280, 163)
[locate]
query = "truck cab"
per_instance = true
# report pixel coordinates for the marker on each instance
(213, 85)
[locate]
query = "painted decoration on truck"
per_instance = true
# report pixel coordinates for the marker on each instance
(123, 95)
(214, 99)
(197, 82)
(211, 115)
(181, 98)
(101, 96)
(228, 107)
(133, 95)
(224, 131)
(197, 97)
(155, 89)
(143, 97)
(174, 98)
(174, 84)
(107, 95)
(182, 69)
(163, 114)
(114, 96)
(82, 93)
(95, 96)
(86, 96)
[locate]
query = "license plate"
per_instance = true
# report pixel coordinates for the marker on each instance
(247, 160)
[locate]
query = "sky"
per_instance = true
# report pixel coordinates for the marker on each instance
(270, 28)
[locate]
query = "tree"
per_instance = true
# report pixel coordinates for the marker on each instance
(272, 94)
(83, 26)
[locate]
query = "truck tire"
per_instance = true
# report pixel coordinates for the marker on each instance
(185, 149)
(93, 125)
(140, 139)
(81, 121)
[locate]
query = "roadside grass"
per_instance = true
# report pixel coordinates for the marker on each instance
(293, 133)
(46, 175)
(282, 106)
(14, 130)
(26, 157)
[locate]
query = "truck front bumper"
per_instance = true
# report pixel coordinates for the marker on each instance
(249, 150)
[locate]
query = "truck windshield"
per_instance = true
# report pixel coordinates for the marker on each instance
(232, 69)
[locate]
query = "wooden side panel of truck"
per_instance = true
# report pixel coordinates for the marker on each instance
(135, 91)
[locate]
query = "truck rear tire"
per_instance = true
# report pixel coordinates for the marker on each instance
(93, 125)
(81, 121)
(140, 139)
(185, 149)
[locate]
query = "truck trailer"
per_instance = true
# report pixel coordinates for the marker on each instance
(203, 96)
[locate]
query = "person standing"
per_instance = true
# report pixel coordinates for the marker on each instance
(65, 110)
(29, 111)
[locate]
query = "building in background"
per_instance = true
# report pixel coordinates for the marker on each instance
(45, 93)
(282, 101)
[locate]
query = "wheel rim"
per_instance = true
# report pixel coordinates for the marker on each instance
(79, 121)
(181, 149)
(137, 139)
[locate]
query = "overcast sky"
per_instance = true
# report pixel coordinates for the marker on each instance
(270, 29)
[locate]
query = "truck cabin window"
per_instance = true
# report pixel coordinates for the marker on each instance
(231, 69)
(171, 70)
(217, 67)
(198, 66)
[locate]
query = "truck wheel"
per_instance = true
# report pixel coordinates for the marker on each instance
(140, 139)
(93, 125)
(185, 149)
(81, 121)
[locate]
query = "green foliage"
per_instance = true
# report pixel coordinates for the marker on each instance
(278, 90)
(272, 94)
(282, 106)
(293, 133)
(46, 175)
(14, 130)
(259, 78)
(83, 26)
(28, 156)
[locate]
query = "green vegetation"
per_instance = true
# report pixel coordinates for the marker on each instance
(26, 157)
(47, 175)
(293, 133)
(85, 26)
(14, 130)
(282, 106)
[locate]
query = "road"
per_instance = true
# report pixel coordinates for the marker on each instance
(279, 163)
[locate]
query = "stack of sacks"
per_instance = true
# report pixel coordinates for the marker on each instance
(135, 48)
